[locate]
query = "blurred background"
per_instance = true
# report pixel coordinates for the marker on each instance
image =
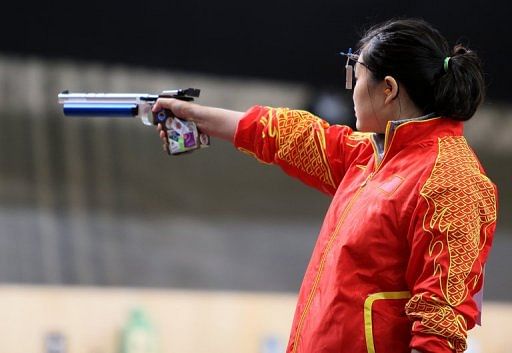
(108, 245)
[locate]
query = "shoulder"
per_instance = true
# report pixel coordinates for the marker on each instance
(455, 164)
(457, 183)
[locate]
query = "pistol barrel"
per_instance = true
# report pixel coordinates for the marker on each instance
(66, 97)
(107, 110)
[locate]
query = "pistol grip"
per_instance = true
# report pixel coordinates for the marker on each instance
(181, 135)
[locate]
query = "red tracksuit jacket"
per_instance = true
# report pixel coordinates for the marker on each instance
(401, 251)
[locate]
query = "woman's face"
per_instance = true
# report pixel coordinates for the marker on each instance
(367, 100)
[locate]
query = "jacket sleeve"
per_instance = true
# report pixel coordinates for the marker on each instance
(450, 238)
(303, 145)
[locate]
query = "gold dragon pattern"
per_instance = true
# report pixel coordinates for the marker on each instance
(439, 319)
(300, 141)
(461, 206)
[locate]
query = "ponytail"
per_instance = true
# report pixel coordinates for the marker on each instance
(460, 90)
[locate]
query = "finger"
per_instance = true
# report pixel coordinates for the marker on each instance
(159, 127)
(163, 103)
(157, 106)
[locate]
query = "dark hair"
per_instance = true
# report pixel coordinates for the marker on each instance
(414, 52)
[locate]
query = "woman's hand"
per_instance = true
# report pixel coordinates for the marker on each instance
(178, 108)
(163, 137)
(181, 109)
(216, 122)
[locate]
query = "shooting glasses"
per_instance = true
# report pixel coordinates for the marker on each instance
(352, 60)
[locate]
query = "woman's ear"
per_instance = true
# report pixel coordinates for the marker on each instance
(390, 89)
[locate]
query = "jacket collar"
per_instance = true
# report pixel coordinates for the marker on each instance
(400, 133)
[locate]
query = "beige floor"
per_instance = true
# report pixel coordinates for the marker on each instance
(91, 320)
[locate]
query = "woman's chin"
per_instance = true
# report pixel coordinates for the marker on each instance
(360, 127)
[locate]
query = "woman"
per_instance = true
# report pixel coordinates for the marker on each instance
(400, 256)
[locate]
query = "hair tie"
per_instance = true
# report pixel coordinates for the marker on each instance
(446, 61)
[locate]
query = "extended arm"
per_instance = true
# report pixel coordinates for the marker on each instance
(303, 145)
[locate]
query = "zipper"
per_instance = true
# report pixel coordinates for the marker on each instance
(323, 259)
(334, 234)
(387, 144)
(378, 160)
(378, 165)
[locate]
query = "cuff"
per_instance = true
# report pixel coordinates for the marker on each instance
(247, 128)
